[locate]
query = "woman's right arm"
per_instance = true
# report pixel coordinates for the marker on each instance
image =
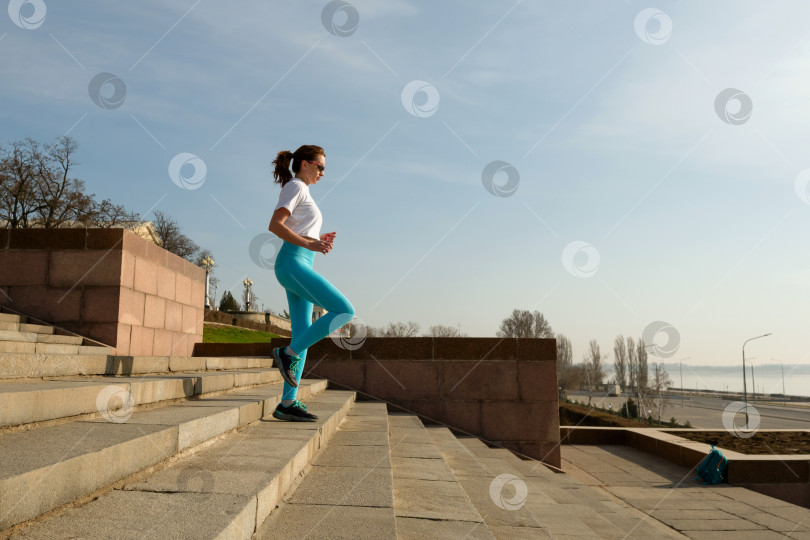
(280, 229)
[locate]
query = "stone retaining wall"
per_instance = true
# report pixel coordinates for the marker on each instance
(109, 285)
(274, 325)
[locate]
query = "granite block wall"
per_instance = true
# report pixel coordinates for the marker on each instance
(109, 285)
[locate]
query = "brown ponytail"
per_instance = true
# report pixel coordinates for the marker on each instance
(282, 173)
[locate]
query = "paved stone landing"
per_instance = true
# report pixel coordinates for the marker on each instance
(667, 493)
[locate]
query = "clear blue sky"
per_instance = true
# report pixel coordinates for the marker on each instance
(610, 122)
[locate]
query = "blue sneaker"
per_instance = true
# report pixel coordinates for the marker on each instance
(296, 412)
(287, 365)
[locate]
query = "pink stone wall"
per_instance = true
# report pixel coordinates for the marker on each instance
(501, 390)
(109, 285)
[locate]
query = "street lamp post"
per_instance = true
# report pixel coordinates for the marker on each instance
(208, 264)
(784, 394)
(681, 366)
(745, 388)
(248, 285)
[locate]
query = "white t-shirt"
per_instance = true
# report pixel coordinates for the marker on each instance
(305, 218)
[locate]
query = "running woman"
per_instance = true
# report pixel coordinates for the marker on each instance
(297, 220)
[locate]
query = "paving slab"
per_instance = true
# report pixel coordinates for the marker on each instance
(369, 423)
(368, 408)
(345, 486)
(734, 535)
(404, 420)
(318, 522)
(410, 435)
(402, 448)
(738, 524)
(137, 515)
(360, 438)
(433, 499)
(417, 528)
(421, 469)
(523, 533)
(352, 456)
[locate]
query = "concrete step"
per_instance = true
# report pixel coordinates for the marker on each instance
(97, 361)
(502, 497)
(38, 337)
(225, 490)
(581, 499)
(25, 328)
(11, 318)
(429, 501)
(50, 348)
(527, 494)
(348, 491)
(38, 401)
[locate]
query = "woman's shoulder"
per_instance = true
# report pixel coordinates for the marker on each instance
(296, 184)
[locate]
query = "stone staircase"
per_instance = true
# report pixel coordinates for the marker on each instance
(98, 446)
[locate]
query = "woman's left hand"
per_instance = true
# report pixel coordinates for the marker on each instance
(328, 238)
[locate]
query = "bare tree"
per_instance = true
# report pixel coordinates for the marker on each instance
(661, 379)
(62, 199)
(37, 189)
(18, 191)
(107, 215)
(565, 359)
(398, 329)
(595, 364)
(524, 324)
(632, 363)
(642, 373)
(620, 361)
(170, 238)
(443, 330)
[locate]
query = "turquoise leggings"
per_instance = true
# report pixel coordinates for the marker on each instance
(306, 287)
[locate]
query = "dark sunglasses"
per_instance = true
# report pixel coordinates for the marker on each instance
(321, 168)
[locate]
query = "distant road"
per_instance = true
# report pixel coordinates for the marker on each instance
(707, 413)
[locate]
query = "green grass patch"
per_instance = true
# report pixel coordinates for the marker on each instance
(235, 334)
